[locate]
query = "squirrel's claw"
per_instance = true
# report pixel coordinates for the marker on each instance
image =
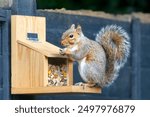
(90, 85)
(79, 84)
(61, 51)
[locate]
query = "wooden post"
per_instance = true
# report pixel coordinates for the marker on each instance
(136, 59)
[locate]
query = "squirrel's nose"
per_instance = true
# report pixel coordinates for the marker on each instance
(62, 42)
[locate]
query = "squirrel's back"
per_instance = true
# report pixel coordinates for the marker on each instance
(116, 44)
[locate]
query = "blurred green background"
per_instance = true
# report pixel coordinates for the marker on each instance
(109, 6)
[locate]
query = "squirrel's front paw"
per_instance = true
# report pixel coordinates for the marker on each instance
(65, 51)
(62, 51)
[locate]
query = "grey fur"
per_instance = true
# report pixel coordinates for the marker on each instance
(103, 66)
(125, 47)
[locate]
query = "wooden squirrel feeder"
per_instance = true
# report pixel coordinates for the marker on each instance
(36, 65)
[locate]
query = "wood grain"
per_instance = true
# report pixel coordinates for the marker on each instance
(28, 65)
(70, 72)
(56, 89)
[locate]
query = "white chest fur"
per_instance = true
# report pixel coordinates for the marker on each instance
(74, 48)
(82, 64)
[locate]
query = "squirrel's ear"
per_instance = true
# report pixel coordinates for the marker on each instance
(72, 26)
(79, 29)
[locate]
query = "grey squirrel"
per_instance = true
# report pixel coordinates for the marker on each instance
(99, 60)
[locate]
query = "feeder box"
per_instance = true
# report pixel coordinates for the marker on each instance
(37, 67)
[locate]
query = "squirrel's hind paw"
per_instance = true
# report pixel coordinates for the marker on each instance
(79, 84)
(85, 84)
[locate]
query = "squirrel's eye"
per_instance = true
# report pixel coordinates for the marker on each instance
(71, 36)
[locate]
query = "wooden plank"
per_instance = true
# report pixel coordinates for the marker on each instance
(36, 69)
(56, 89)
(70, 72)
(44, 48)
(29, 25)
(41, 90)
(45, 78)
(31, 68)
(81, 89)
(23, 56)
(23, 65)
(136, 58)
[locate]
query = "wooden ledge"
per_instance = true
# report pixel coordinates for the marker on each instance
(55, 89)
(44, 48)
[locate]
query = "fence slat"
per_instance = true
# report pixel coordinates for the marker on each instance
(136, 59)
(0, 38)
(1, 94)
(6, 55)
(2, 13)
(24, 7)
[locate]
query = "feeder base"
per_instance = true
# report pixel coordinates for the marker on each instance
(56, 89)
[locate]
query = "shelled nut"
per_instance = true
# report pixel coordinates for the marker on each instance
(57, 75)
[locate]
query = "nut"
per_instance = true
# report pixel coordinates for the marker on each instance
(57, 75)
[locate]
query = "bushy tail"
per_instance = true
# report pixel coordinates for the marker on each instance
(116, 44)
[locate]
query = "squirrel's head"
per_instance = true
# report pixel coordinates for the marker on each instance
(71, 36)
